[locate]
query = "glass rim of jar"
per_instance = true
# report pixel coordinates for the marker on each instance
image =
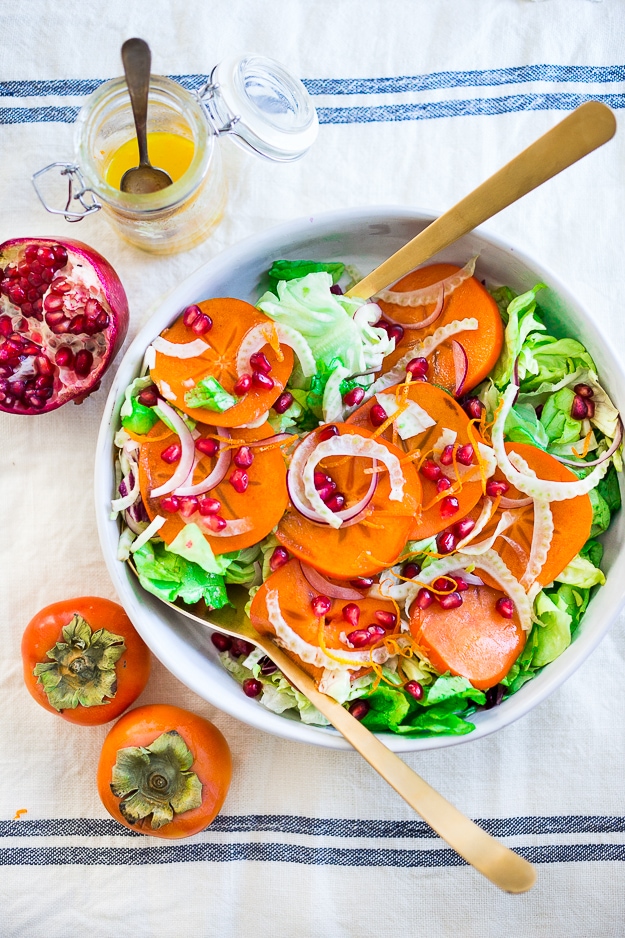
(111, 94)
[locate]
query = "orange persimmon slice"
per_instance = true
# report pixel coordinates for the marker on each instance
(469, 300)
(369, 546)
(442, 408)
(262, 504)
(232, 320)
(473, 640)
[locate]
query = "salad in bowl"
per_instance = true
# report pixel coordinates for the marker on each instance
(410, 490)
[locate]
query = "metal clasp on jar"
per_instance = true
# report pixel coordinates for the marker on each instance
(82, 194)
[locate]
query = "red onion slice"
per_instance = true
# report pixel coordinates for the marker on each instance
(596, 462)
(423, 323)
(323, 586)
(461, 366)
(348, 516)
(213, 478)
(270, 440)
(187, 443)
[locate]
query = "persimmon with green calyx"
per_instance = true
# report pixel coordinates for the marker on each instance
(84, 660)
(164, 771)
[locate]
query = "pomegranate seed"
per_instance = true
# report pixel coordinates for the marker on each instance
(34, 278)
(505, 607)
(208, 505)
(251, 687)
(6, 326)
(260, 362)
(44, 381)
(360, 637)
(450, 601)
(590, 407)
(376, 632)
(494, 488)
(584, 390)
(83, 363)
(463, 528)
(395, 331)
(320, 605)
(78, 325)
(17, 295)
(53, 303)
(335, 288)
(101, 321)
(388, 620)
(444, 584)
(202, 324)
(44, 365)
(449, 506)
(465, 454)
(353, 397)
(326, 491)
(431, 470)
(411, 570)
(278, 559)
(445, 542)
(170, 504)
(328, 432)
(221, 642)
(320, 479)
(206, 446)
(283, 403)
(216, 523)
(60, 286)
(188, 505)
(336, 502)
(443, 484)
(30, 252)
(241, 647)
(377, 415)
(148, 396)
(243, 384)
(417, 367)
(424, 598)
(359, 709)
(579, 408)
(171, 453)
(473, 408)
(47, 276)
(190, 314)
(267, 666)
(461, 585)
(244, 457)
(262, 381)
(447, 456)
(362, 582)
(239, 480)
(414, 689)
(36, 401)
(382, 324)
(46, 257)
(351, 614)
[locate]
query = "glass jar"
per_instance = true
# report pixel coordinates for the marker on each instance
(251, 98)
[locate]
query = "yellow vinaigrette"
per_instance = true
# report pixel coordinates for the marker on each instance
(167, 151)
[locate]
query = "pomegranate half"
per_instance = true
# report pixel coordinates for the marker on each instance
(63, 318)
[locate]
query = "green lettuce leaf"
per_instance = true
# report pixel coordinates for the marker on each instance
(556, 419)
(523, 426)
(171, 577)
(546, 361)
(209, 393)
(294, 270)
(521, 321)
(135, 416)
(554, 632)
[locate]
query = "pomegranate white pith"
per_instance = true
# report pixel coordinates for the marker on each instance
(63, 317)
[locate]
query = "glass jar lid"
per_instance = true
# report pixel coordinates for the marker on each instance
(263, 106)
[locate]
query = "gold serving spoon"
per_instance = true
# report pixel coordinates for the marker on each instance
(502, 866)
(586, 128)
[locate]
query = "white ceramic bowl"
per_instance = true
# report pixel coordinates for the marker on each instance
(363, 237)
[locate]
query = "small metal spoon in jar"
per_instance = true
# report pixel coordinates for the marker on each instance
(144, 178)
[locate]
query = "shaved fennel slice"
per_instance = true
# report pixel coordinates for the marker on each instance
(153, 527)
(180, 350)
(542, 533)
(349, 445)
(268, 333)
(488, 509)
(412, 421)
(312, 654)
(422, 350)
(232, 528)
(530, 485)
(507, 520)
(332, 405)
(429, 294)
(492, 564)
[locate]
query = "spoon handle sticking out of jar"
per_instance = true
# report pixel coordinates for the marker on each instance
(144, 178)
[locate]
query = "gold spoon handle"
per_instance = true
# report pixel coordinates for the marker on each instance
(137, 60)
(502, 866)
(588, 127)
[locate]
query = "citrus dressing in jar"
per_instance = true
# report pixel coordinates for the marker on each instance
(253, 99)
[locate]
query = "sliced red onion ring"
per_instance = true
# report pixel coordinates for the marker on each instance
(423, 323)
(213, 478)
(348, 516)
(270, 440)
(137, 527)
(596, 462)
(429, 294)
(188, 452)
(323, 586)
(514, 502)
(469, 578)
(461, 366)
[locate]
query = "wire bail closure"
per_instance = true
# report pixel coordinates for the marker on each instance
(85, 196)
(221, 119)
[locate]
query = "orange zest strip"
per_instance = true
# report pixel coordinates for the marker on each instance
(322, 645)
(146, 438)
(271, 334)
(480, 461)
(587, 441)
(372, 524)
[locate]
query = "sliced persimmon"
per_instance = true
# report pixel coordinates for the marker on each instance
(572, 519)
(369, 546)
(470, 299)
(442, 408)
(261, 504)
(232, 319)
(473, 641)
(295, 596)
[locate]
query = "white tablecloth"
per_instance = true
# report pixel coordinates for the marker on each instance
(419, 101)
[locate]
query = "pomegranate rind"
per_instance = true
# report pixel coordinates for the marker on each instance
(110, 286)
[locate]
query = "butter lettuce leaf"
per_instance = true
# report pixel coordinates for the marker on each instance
(169, 576)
